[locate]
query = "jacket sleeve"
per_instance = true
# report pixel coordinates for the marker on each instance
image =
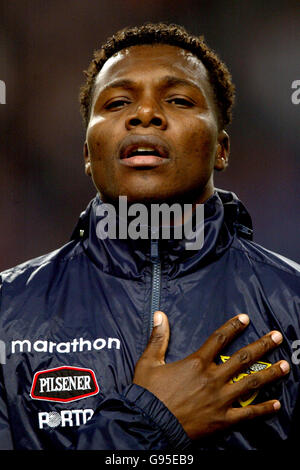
(135, 420)
(5, 432)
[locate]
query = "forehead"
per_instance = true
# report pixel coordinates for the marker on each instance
(153, 61)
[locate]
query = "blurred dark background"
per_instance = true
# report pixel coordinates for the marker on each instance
(45, 46)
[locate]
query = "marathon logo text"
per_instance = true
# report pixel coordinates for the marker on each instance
(76, 345)
(64, 384)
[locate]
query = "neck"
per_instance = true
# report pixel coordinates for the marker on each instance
(175, 210)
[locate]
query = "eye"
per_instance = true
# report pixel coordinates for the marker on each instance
(117, 104)
(180, 102)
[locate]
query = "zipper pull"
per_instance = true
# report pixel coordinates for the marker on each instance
(154, 253)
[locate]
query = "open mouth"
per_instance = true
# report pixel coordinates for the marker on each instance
(143, 151)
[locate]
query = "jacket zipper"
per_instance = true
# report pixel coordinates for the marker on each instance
(156, 281)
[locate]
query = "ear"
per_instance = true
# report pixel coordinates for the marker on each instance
(222, 153)
(87, 160)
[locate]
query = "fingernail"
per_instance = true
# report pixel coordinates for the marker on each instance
(157, 319)
(284, 366)
(276, 405)
(244, 319)
(276, 337)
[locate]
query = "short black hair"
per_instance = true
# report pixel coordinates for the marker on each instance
(161, 33)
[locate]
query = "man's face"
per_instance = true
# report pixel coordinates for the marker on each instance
(153, 134)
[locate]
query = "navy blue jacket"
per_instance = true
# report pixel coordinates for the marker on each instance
(74, 323)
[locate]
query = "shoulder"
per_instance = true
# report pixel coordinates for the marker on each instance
(43, 264)
(265, 259)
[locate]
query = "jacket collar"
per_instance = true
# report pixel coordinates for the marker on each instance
(225, 216)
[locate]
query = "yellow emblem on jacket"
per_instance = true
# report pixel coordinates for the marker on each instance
(256, 367)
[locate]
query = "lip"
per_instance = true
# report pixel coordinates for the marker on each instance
(132, 142)
(143, 161)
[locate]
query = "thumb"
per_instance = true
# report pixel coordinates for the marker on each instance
(159, 339)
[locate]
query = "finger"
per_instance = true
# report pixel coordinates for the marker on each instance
(243, 358)
(222, 336)
(257, 380)
(156, 348)
(235, 415)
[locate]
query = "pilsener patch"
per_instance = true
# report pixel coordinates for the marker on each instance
(64, 384)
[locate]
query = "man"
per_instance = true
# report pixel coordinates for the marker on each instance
(80, 370)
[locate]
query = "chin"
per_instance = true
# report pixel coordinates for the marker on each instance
(143, 198)
(144, 193)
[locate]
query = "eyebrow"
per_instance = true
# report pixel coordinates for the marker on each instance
(168, 81)
(121, 83)
(171, 81)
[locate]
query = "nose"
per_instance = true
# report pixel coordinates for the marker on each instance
(147, 114)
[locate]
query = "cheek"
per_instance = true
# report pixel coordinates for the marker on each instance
(199, 143)
(97, 142)
(95, 149)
